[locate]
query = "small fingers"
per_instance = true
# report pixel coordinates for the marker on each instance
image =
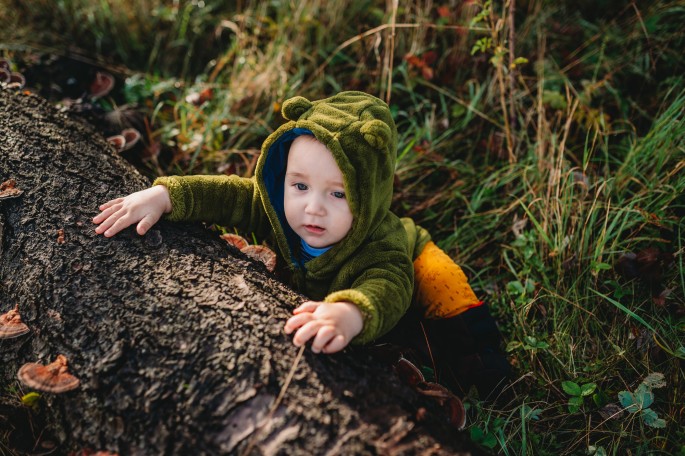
(306, 332)
(108, 222)
(118, 225)
(146, 223)
(298, 320)
(323, 338)
(336, 344)
(307, 306)
(106, 213)
(111, 202)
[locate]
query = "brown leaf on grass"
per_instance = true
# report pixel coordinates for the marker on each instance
(444, 11)
(429, 57)
(518, 225)
(152, 150)
(660, 299)
(198, 98)
(426, 204)
(611, 411)
(424, 149)
(422, 63)
(647, 265)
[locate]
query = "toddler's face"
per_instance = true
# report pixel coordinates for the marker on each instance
(316, 207)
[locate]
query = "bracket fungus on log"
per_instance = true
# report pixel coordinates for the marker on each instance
(260, 253)
(52, 378)
(101, 85)
(117, 141)
(132, 136)
(235, 240)
(11, 325)
(9, 189)
(451, 403)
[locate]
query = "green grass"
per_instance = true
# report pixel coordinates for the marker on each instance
(537, 181)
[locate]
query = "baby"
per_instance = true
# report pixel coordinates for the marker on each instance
(323, 187)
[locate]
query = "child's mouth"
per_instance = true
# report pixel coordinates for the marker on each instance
(314, 229)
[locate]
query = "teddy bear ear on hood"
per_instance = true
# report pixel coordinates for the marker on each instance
(377, 133)
(294, 107)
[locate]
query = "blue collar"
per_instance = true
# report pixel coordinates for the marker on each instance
(309, 253)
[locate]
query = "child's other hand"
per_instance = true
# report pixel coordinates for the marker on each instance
(146, 207)
(332, 325)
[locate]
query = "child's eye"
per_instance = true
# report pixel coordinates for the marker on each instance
(301, 186)
(338, 194)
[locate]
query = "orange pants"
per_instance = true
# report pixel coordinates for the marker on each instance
(441, 289)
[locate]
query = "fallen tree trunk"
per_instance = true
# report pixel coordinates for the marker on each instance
(177, 341)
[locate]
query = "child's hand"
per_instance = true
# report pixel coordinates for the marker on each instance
(332, 324)
(146, 207)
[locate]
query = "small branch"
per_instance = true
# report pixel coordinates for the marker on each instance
(379, 29)
(495, 28)
(389, 64)
(512, 66)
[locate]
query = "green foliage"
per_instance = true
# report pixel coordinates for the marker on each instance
(537, 171)
(31, 400)
(577, 393)
(640, 400)
(488, 435)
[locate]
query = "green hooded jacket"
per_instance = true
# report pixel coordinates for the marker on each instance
(372, 266)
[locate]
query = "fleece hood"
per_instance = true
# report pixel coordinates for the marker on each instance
(359, 131)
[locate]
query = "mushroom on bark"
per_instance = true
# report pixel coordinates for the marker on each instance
(9, 189)
(101, 85)
(11, 324)
(263, 254)
(235, 240)
(52, 378)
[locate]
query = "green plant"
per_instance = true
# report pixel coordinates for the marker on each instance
(489, 433)
(578, 393)
(641, 399)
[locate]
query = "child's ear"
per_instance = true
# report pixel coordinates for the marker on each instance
(294, 107)
(376, 133)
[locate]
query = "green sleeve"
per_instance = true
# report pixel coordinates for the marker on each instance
(383, 282)
(417, 236)
(225, 200)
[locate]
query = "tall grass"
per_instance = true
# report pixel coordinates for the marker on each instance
(539, 175)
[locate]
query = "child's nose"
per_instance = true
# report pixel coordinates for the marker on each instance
(315, 206)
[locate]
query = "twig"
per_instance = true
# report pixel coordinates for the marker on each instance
(390, 59)
(430, 352)
(277, 402)
(495, 34)
(512, 66)
(379, 29)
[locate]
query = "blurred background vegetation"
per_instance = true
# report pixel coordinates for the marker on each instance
(541, 142)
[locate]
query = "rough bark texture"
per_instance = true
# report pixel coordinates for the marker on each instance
(176, 339)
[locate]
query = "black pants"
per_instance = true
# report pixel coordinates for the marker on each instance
(464, 351)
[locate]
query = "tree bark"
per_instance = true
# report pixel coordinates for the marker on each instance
(176, 338)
